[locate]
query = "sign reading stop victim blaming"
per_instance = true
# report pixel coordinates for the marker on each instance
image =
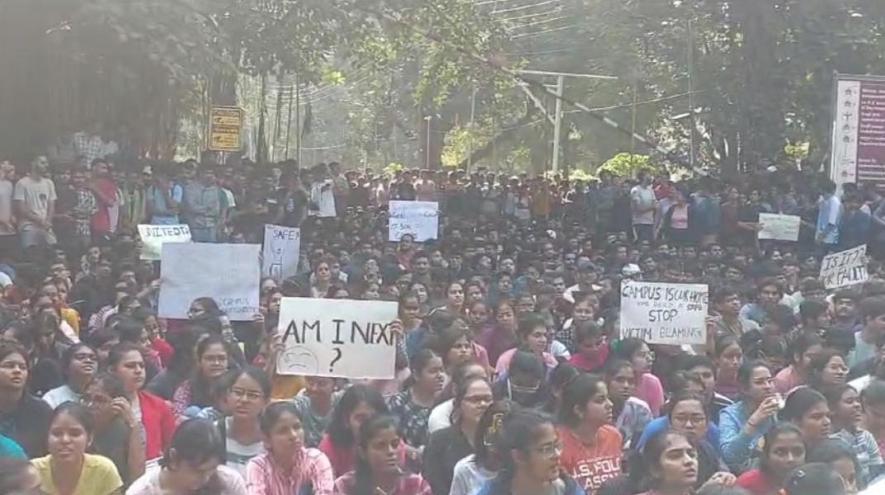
(664, 313)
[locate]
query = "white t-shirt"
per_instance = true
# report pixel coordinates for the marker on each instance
(441, 416)
(324, 199)
(238, 455)
(469, 477)
(231, 483)
(642, 198)
(6, 206)
(36, 195)
(60, 395)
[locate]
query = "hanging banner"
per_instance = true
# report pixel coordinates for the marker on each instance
(858, 146)
(420, 219)
(228, 273)
(779, 227)
(282, 247)
(154, 236)
(845, 268)
(339, 338)
(660, 313)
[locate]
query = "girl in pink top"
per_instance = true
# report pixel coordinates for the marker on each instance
(648, 386)
(803, 350)
(531, 334)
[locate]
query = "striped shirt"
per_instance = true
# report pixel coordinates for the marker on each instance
(311, 473)
(865, 448)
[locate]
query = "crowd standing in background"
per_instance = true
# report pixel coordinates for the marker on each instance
(511, 375)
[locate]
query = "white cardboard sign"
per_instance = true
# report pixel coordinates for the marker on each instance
(282, 247)
(779, 227)
(418, 218)
(154, 236)
(661, 313)
(228, 273)
(845, 268)
(337, 338)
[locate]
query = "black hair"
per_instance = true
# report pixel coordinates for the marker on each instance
(528, 364)
(783, 317)
(339, 426)
(527, 323)
(799, 402)
(874, 394)
(831, 450)
(442, 342)
(801, 344)
(818, 364)
(815, 478)
(68, 356)
(77, 411)
(115, 356)
(519, 432)
(273, 412)
(745, 372)
(812, 310)
(782, 428)
(364, 479)
(586, 330)
(110, 383)
(488, 431)
(626, 348)
(650, 458)
(461, 392)
(684, 396)
(613, 366)
(725, 341)
(576, 394)
(680, 381)
(686, 362)
(254, 373)
(195, 442)
(130, 330)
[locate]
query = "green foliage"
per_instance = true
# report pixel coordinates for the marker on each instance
(628, 165)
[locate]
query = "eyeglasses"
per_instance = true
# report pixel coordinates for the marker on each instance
(697, 419)
(214, 359)
(550, 450)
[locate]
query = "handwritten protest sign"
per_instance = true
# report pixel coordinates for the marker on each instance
(282, 246)
(844, 268)
(418, 218)
(779, 227)
(154, 236)
(228, 273)
(664, 313)
(337, 337)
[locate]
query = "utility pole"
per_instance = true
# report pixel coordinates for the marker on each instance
(557, 126)
(429, 119)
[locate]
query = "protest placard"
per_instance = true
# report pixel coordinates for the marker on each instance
(661, 313)
(779, 227)
(228, 273)
(154, 236)
(282, 246)
(844, 268)
(337, 337)
(417, 218)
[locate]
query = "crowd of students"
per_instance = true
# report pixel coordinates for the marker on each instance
(510, 373)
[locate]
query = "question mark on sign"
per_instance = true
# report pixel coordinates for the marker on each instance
(337, 358)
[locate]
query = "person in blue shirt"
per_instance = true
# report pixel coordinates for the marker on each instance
(743, 424)
(11, 448)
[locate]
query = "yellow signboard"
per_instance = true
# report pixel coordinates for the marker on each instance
(225, 129)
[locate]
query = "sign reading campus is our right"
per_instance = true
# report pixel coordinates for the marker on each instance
(339, 338)
(661, 313)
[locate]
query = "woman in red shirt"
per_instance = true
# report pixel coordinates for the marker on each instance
(591, 446)
(783, 451)
(151, 412)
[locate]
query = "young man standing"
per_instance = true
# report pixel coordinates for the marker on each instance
(828, 218)
(866, 339)
(34, 198)
(642, 207)
(8, 241)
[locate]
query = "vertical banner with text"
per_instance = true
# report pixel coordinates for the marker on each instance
(280, 256)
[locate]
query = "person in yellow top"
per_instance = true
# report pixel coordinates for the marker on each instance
(68, 469)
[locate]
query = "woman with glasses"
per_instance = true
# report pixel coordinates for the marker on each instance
(116, 434)
(687, 416)
(530, 453)
(648, 386)
(212, 363)
(592, 446)
(473, 471)
(448, 446)
(79, 363)
(247, 396)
